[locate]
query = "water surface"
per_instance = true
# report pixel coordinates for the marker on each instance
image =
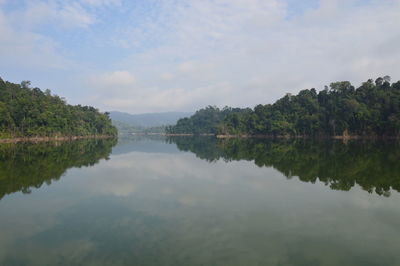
(200, 201)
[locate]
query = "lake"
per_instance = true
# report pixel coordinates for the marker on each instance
(200, 201)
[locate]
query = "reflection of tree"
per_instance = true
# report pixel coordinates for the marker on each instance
(204, 147)
(372, 165)
(27, 165)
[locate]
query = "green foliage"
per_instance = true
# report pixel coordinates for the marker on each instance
(373, 109)
(372, 165)
(24, 166)
(26, 111)
(204, 121)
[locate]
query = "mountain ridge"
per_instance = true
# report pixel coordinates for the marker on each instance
(148, 119)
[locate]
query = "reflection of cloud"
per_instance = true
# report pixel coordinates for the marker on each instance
(188, 204)
(181, 177)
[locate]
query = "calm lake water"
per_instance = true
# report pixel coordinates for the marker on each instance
(200, 201)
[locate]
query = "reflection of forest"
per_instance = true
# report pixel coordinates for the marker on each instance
(372, 165)
(27, 165)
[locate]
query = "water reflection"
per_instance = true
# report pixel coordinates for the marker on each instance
(24, 166)
(151, 204)
(372, 165)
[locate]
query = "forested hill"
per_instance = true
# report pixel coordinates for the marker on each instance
(373, 109)
(26, 112)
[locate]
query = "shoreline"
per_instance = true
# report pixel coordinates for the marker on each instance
(346, 137)
(189, 135)
(57, 138)
(339, 137)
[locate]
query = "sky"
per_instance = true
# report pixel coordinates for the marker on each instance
(142, 56)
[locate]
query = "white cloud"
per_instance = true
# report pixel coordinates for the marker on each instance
(186, 54)
(167, 76)
(102, 2)
(242, 53)
(24, 49)
(74, 15)
(120, 78)
(67, 15)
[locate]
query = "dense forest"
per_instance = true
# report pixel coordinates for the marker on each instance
(26, 166)
(373, 109)
(373, 165)
(26, 112)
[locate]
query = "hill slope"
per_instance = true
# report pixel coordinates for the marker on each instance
(373, 109)
(26, 112)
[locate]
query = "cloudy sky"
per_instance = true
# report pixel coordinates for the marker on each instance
(180, 55)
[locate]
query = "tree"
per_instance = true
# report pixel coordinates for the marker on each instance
(25, 84)
(30, 112)
(371, 109)
(387, 78)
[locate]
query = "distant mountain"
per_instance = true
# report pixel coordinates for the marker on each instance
(149, 119)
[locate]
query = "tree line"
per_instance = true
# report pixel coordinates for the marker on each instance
(26, 112)
(372, 109)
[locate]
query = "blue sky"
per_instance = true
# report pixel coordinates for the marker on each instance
(180, 55)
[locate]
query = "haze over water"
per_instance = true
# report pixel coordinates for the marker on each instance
(200, 201)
